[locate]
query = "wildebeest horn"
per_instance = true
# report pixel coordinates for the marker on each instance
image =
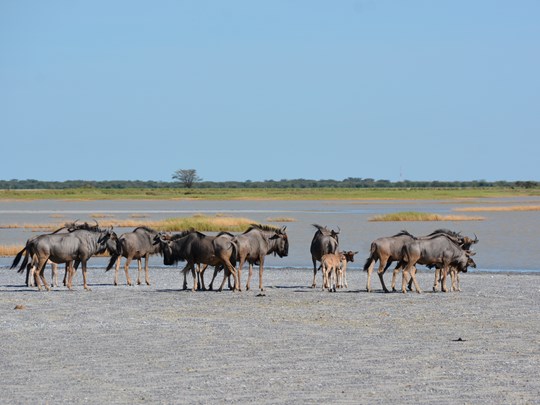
(475, 239)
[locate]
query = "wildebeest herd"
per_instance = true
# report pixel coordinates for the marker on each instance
(447, 251)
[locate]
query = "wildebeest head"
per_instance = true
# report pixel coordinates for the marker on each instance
(349, 255)
(470, 261)
(281, 242)
(165, 244)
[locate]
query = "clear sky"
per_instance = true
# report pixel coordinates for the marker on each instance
(257, 90)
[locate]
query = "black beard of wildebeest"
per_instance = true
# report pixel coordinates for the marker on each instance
(254, 244)
(135, 245)
(79, 244)
(324, 241)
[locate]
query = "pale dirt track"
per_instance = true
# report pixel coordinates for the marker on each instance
(294, 345)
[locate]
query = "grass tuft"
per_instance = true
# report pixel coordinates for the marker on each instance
(281, 219)
(421, 216)
(500, 209)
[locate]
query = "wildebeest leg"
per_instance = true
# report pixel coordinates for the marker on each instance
(30, 278)
(126, 269)
(203, 287)
(194, 274)
(41, 274)
(184, 271)
(84, 275)
(413, 276)
(399, 267)
(139, 270)
(66, 273)
(146, 274)
(458, 286)
(216, 271)
(405, 277)
(54, 275)
(383, 265)
(117, 267)
(324, 271)
(314, 283)
(261, 271)
(443, 279)
(437, 279)
(250, 273)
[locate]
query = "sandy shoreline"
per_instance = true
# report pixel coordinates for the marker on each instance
(158, 344)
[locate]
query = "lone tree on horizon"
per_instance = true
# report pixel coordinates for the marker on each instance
(187, 177)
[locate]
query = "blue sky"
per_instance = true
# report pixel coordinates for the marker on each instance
(258, 90)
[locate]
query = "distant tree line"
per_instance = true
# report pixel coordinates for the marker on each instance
(350, 182)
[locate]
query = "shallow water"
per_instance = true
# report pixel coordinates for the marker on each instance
(508, 240)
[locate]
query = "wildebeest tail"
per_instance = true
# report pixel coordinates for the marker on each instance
(18, 259)
(112, 261)
(372, 256)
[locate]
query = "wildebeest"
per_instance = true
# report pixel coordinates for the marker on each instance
(331, 264)
(465, 243)
(386, 250)
(78, 245)
(348, 256)
(254, 244)
(439, 250)
(324, 241)
(30, 247)
(136, 244)
(193, 247)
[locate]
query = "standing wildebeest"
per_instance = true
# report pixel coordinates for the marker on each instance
(135, 245)
(30, 253)
(386, 250)
(439, 250)
(193, 247)
(324, 241)
(348, 256)
(79, 245)
(465, 243)
(331, 265)
(254, 244)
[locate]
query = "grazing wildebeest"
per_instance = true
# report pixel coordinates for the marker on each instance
(135, 245)
(254, 244)
(440, 251)
(78, 245)
(193, 247)
(348, 256)
(324, 241)
(386, 250)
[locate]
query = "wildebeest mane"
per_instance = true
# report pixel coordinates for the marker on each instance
(447, 232)
(181, 234)
(404, 232)
(224, 233)
(145, 228)
(261, 227)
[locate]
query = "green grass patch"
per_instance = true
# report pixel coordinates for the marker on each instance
(202, 223)
(421, 216)
(267, 193)
(205, 223)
